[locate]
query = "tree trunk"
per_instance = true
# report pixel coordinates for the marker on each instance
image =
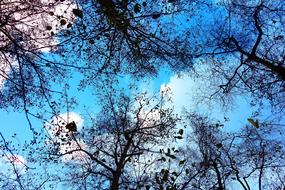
(219, 178)
(115, 182)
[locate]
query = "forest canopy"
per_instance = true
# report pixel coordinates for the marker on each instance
(84, 76)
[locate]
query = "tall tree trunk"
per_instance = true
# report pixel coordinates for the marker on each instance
(115, 182)
(219, 178)
(120, 166)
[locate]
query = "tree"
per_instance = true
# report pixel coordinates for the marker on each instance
(211, 165)
(121, 37)
(131, 143)
(119, 149)
(27, 32)
(262, 156)
(136, 143)
(18, 173)
(246, 49)
(247, 158)
(127, 37)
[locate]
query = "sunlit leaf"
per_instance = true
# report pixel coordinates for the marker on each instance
(155, 16)
(62, 22)
(254, 123)
(71, 126)
(178, 137)
(69, 25)
(91, 41)
(48, 27)
(170, 155)
(180, 132)
(77, 12)
(182, 162)
(137, 8)
(219, 145)
(187, 171)
(165, 175)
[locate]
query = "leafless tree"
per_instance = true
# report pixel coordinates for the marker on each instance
(27, 32)
(128, 37)
(121, 147)
(251, 157)
(245, 45)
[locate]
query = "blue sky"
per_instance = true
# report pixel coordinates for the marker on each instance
(183, 88)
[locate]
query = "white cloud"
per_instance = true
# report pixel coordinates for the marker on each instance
(190, 92)
(60, 134)
(72, 116)
(186, 90)
(76, 156)
(58, 123)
